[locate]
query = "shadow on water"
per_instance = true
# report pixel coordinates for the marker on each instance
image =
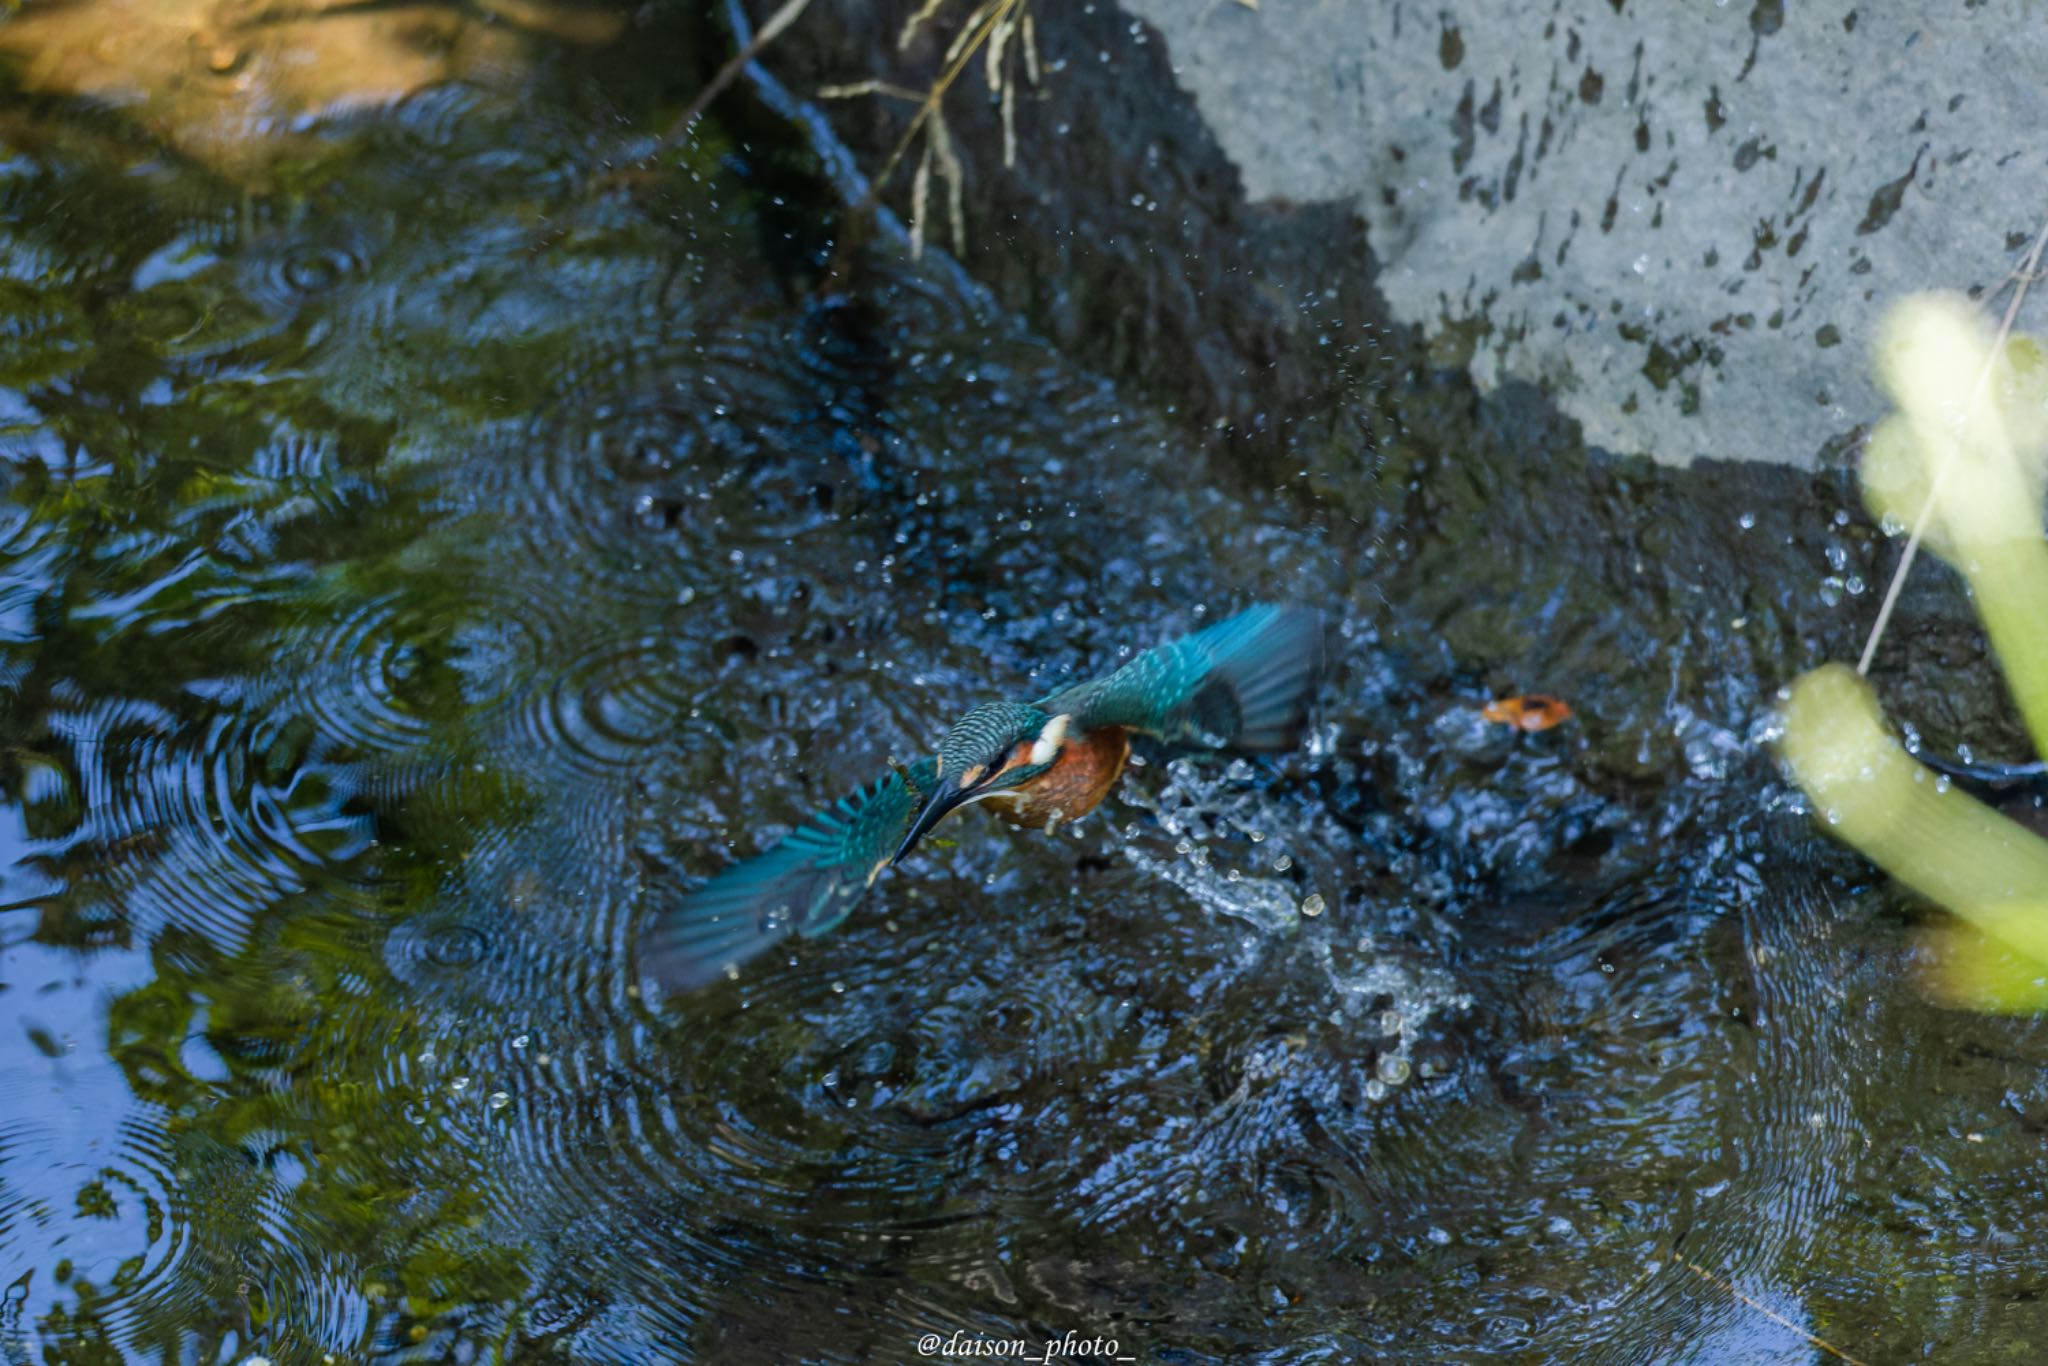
(413, 577)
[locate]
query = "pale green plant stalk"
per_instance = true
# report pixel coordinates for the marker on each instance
(2019, 279)
(1962, 460)
(1962, 457)
(1941, 842)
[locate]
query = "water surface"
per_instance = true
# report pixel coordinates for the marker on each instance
(416, 570)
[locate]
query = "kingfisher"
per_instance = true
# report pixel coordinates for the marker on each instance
(1242, 685)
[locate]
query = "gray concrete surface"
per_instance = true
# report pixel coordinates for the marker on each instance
(1683, 220)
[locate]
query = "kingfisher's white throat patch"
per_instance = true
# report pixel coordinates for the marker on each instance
(1047, 745)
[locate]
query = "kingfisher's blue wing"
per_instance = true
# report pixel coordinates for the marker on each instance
(1242, 684)
(805, 885)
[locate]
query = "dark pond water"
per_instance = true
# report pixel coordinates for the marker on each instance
(414, 575)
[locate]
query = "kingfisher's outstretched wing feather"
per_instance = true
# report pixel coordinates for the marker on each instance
(1242, 684)
(804, 885)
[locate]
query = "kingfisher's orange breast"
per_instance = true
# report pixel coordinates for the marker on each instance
(1078, 780)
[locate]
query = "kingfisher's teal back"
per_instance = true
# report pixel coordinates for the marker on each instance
(1242, 684)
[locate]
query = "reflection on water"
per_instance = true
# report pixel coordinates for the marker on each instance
(226, 81)
(407, 585)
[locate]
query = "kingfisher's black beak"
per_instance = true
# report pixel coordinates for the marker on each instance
(947, 795)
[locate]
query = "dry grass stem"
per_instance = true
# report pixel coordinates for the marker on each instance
(918, 21)
(940, 141)
(847, 92)
(981, 24)
(992, 51)
(1776, 1318)
(920, 198)
(1010, 126)
(766, 34)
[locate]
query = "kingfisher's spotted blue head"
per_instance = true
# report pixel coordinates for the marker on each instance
(997, 747)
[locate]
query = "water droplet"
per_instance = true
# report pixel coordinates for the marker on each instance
(459, 1085)
(1282, 864)
(1393, 1069)
(1391, 1021)
(499, 1100)
(1312, 904)
(1438, 1236)
(1746, 521)
(521, 1040)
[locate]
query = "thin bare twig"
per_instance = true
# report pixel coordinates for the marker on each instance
(1778, 1319)
(766, 34)
(2025, 276)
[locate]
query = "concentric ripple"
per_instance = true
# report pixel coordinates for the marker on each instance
(367, 685)
(444, 144)
(596, 714)
(201, 828)
(616, 493)
(1743, 1230)
(140, 1226)
(388, 673)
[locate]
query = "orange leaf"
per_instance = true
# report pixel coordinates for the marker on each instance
(1536, 711)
